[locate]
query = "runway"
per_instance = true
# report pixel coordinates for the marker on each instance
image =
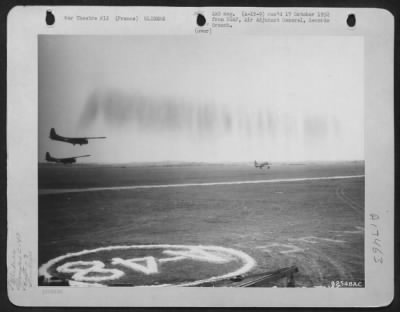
(310, 216)
(135, 187)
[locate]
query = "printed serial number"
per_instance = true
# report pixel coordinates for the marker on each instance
(339, 284)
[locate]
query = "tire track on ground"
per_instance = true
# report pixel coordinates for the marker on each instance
(337, 268)
(349, 203)
(347, 197)
(314, 264)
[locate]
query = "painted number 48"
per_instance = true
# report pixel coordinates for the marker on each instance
(95, 271)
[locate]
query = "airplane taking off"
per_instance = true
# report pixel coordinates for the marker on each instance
(80, 141)
(67, 160)
(261, 165)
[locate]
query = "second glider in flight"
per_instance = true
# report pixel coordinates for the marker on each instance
(66, 160)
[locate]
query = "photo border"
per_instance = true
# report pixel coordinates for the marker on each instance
(367, 153)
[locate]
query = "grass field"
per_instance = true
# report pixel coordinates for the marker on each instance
(316, 225)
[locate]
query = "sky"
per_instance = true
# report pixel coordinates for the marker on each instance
(202, 99)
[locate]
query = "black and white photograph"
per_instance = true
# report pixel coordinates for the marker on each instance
(200, 157)
(179, 161)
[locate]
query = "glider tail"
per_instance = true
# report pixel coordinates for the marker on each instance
(53, 133)
(48, 157)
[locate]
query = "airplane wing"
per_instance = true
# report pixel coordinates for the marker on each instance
(90, 138)
(80, 156)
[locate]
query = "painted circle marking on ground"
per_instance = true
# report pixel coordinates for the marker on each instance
(204, 254)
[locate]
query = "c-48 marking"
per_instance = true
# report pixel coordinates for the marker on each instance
(95, 271)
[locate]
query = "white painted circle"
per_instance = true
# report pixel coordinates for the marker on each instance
(210, 254)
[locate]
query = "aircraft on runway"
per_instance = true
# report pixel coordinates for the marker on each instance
(261, 165)
(67, 160)
(80, 141)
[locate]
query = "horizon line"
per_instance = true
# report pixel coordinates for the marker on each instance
(206, 162)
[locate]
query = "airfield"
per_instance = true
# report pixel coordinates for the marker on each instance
(201, 224)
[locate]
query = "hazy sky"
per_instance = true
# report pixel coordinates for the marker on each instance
(198, 98)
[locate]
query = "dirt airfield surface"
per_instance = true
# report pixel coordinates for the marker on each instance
(201, 235)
